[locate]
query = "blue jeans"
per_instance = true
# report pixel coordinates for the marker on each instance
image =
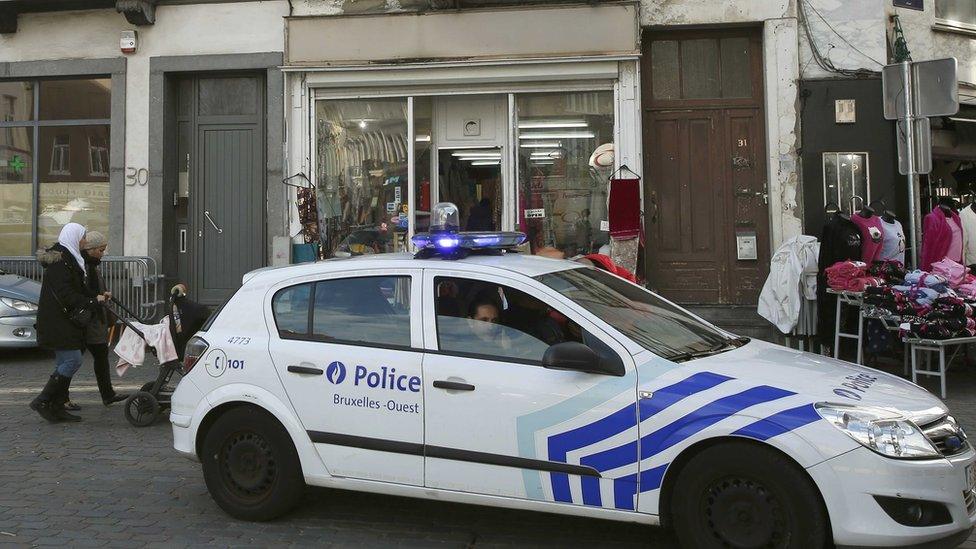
(68, 362)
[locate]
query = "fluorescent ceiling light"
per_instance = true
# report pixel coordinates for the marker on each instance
(957, 119)
(477, 152)
(547, 154)
(566, 135)
(540, 145)
(543, 162)
(486, 163)
(423, 139)
(537, 124)
(470, 158)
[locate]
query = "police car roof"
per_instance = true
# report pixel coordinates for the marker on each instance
(527, 265)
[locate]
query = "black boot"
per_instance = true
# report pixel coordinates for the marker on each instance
(103, 377)
(43, 403)
(60, 397)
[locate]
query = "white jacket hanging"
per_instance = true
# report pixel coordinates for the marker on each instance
(784, 290)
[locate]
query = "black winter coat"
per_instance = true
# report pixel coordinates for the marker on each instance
(65, 279)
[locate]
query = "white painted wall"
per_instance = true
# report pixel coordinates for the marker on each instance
(200, 29)
(851, 34)
(781, 70)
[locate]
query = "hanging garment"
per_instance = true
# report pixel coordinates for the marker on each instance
(625, 215)
(937, 237)
(893, 240)
(872, 237)
(840, 241)
(955, 243)
(967, 218)
(131, 348)
(783, 293)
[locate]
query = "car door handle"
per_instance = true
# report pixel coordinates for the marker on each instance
(453, 385)
(305, 370)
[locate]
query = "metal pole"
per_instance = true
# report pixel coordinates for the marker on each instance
(913, 205)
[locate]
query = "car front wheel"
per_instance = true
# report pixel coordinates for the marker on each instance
(745, 496)
(250, 465)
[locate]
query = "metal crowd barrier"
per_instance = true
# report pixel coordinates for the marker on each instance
(132, 280)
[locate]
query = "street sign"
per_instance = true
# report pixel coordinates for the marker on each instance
(935, 90)
(923, 146)
(910, 4)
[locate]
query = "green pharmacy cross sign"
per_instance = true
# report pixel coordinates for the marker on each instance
(17, 164)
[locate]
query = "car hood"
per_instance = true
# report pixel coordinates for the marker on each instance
(824, 379)
(18, 287)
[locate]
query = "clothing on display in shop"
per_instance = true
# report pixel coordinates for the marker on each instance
(967, 217)
(872, 236)
(893, 240)
(939, 229)
(787, 292)
(840, 241)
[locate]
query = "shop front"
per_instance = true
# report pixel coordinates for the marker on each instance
(523, 142)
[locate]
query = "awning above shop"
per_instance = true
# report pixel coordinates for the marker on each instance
(503, 32)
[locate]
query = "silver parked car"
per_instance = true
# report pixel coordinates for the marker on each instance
(18, 310)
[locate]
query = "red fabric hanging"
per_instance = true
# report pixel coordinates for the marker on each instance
(625, 212)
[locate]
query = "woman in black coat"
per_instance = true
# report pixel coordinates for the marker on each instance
(96, 336)
(63, 294)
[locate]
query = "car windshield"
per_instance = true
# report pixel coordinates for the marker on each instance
(650, 321)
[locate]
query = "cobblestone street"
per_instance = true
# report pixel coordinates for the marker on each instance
(105, 483)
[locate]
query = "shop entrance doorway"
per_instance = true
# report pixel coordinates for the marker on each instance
(707, 214)
(472, 180)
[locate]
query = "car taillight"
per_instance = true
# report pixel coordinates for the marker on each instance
(194, 350)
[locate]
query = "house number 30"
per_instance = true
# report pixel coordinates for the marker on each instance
(136, 176)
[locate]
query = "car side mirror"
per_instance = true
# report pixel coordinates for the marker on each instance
(575, 356)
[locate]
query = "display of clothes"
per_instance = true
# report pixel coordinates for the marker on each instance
(967, 216)
(840, 241)
(872, 234)
(893, 239)
(942, 237)
(789, 294)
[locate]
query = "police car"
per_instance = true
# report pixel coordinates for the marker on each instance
(471, 374)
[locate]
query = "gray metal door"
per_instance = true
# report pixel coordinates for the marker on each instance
(225, 207)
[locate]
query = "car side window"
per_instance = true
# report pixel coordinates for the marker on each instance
(482, 318)
(290, 308)
(374, 310)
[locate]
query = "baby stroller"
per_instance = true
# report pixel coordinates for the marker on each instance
(186, 317)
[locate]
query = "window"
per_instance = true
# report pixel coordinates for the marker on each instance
(651, 322)
(290, 309)
(561, 180)
(60, 155)
(482, 318)
(361, 175)
(956, 14)
(97, 156)
(846, 179)
(55, 114)
(702, 68)
(369, 310)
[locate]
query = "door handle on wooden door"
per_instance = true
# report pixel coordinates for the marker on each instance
(206, 214)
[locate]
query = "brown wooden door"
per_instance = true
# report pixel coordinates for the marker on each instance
(705, 190)
(704, 165)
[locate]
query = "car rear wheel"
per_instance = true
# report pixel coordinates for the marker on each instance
(250, 465)
(742, 495)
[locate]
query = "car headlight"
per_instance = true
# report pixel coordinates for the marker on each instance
(19, 304)
(882, 431)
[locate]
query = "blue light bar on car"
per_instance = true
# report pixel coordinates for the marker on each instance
(469, 240)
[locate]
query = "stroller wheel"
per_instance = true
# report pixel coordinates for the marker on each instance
(141, 409)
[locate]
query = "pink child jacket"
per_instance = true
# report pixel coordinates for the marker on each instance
(936, 236)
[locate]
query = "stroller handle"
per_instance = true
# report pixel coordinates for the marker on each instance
(125, 321)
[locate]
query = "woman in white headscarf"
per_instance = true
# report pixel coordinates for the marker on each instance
(63, 313)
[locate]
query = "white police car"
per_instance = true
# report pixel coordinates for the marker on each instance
(531, 383)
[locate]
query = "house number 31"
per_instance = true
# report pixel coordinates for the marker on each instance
(743, 142)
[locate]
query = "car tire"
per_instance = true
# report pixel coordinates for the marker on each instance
(740, 494)
(250, 465)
